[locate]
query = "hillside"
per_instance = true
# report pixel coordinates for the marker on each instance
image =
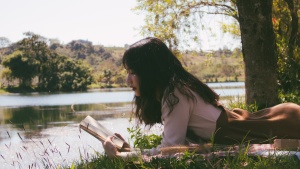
(106, 62)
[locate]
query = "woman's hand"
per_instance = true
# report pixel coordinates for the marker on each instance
(126, 146)
(110, 147)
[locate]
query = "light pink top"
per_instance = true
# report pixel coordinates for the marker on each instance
(198, 116)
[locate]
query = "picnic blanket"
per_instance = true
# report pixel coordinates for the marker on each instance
(263, 150)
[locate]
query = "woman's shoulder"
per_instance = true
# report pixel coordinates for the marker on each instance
(178, 95)
(179, 92)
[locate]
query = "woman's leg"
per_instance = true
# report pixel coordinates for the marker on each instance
(238, 125)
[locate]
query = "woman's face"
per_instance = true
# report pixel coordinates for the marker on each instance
(133, 82)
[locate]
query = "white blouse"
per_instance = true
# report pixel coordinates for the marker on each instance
(195, 115)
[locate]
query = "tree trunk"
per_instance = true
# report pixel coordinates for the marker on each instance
(258, 47)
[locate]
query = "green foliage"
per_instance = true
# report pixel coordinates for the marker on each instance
(286, 25)
(22, 67)
(176, 22)
(57, 64)
(240, 103)
(81, 49)
(216, 66)
(142, 140)
(66, 74)
(232, 28)
(54, 72)
(293, 97)
(179, 21)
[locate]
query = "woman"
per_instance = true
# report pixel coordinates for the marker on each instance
(189, 110)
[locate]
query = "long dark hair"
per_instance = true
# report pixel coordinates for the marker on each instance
(160, 72)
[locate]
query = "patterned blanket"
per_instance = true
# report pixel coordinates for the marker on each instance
(264, 150)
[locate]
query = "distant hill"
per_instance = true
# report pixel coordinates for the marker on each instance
(209, 66)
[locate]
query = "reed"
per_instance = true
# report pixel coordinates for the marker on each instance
(48, 155)
(35, 153)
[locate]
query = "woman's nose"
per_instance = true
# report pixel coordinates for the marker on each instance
(128, 79)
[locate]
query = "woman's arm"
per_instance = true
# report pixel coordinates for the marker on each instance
(176, 122)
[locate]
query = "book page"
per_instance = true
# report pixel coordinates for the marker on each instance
(93, 127)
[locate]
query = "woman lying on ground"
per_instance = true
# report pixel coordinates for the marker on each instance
(189, 110)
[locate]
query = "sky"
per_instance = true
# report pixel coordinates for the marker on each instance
(103, 22)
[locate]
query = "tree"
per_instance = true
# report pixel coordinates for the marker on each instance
(35, 48)
(82, 75)
(6, 74)
(49, 79)
(54, 44)
(4, 42)
(81, 48)
(107, 76)
(22, 67)
(65, 74)
(258, 40)
(33, 58)
(172, 20)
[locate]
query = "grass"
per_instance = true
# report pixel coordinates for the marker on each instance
(103, 86)
(3, 91)
(191, 160)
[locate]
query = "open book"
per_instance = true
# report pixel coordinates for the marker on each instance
(94, 128)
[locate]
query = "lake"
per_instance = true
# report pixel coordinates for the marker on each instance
(41, 129)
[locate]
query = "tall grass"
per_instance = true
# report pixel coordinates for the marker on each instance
(21, 150)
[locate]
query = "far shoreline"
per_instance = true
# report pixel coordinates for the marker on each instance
(92, 87)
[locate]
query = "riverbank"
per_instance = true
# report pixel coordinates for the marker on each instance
(102, 86)
(2, 91)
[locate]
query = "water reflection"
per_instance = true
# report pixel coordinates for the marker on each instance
(32, 120)
(50, 99)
